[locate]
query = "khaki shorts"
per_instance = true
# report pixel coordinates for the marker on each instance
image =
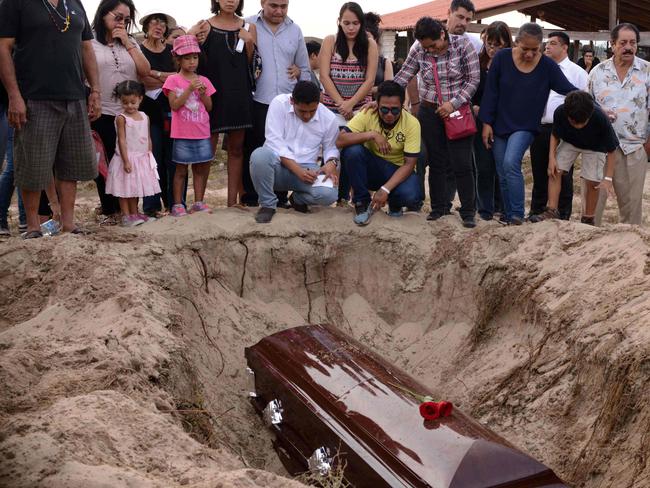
(593, 163)
(55, 140)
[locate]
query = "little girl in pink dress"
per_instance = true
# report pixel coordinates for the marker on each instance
(132, 173)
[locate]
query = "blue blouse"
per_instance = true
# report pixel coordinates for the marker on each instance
(515, 101)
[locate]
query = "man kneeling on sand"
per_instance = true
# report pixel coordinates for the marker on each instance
(298, 130)
(381, 149)
(580, 128)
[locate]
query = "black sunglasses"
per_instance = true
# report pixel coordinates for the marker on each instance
(394, 110)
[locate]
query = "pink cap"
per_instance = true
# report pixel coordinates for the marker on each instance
(185, 45)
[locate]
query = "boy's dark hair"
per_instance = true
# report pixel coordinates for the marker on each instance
(429, 28)
(305, 92)
(626, 26)
(103, 9)
(564, 38)
(372, 24)
(128, 87)
(579, 106)
(215, 8)
(313, 47)
(466, 4)
(587, 49)
(390, 88)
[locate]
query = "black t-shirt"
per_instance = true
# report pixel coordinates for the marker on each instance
(48, 62)
(598, 135)
(162, 61)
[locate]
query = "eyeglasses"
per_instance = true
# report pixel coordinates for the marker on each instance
(121, 18)
(157, 22)
(393, 110)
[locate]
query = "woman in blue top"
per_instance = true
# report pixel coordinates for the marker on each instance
(517, 89)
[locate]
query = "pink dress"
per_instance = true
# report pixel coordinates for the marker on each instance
(142, 181)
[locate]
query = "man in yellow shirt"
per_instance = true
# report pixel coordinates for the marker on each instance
(380, 151)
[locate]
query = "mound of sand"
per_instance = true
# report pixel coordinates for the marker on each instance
(121, 353)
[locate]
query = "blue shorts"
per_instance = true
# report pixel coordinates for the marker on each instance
(190, 151)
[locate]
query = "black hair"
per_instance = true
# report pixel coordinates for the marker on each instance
(305, 92)
(128, 87)
(216, 8)
(626, 26)
(313, 47)
(564, 38)
(466, 4)
(579, 106)
(429, 28)
(532, 30)
(372, 24)
(157, 16)
(389, 88)
(104, 7)
(497, 31)
(587, 49)
(360, 49)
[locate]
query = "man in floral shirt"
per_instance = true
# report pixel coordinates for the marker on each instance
(621, 85)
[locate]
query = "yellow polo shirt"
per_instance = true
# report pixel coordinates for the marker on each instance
(404, 138)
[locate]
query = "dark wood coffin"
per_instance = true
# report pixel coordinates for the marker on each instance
(331, 400)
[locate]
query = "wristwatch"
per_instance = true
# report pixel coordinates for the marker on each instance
(336, 162)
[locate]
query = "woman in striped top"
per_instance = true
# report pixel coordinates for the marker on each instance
(348, 65)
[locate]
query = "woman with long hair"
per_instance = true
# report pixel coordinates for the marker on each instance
(348, 66)
(384, 66)
(488, 197)
(119, 59)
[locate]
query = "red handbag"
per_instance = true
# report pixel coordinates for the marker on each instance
(459, 124)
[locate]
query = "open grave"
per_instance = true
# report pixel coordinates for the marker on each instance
(122, 354)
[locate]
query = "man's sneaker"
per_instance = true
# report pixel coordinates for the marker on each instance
(469, 222)
(298, 207)
(4, 232)
(588, 220)
(395, 211)
(363, 212)
(434, 216)
(549, 213)
(264, 215)
(178, 210)
(200, 207)
(514, 220)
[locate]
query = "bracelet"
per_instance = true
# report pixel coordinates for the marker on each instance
(333, 160)
(95, 90)
(385, 189)
(608, 178)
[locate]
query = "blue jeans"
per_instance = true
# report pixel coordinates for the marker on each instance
(7, 177)
(269, 176)
(508, 153)
(370, 172)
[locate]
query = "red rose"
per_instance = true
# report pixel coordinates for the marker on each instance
(446, 408)
(430, 410)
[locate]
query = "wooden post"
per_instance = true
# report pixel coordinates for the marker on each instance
(613, 14)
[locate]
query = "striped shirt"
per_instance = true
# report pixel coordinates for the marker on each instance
(347, 76)
(458, 70)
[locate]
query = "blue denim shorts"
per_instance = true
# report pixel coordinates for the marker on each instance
(190, 151)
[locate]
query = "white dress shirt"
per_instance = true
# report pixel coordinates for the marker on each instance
(577, 77)
(289, 137)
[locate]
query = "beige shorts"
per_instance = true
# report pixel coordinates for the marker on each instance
(593, 163)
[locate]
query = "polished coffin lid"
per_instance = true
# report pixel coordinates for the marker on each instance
(353, 392)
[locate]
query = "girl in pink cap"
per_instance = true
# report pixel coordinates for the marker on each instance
(189, 97)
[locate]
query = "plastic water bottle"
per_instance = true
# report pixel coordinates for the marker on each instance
(50, 228)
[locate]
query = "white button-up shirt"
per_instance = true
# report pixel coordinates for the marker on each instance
(578, 78)
(279, 50)
(630, 100)
(289, 137)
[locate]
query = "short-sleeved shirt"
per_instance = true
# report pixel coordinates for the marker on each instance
(48, 62)
(191, 121)
(598, 135)
(404, 138)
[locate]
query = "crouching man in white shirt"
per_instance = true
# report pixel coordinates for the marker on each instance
(298, 128)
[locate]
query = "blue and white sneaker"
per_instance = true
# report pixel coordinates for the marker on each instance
(363, 212)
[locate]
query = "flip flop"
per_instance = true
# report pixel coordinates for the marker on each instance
(32, 234)
(80, 231)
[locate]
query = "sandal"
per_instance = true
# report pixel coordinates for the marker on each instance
(32, 234)
(79, 231)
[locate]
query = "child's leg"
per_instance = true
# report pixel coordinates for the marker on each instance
(200, 174)
(124, 206)
(591, 197)
(179, 183)
(554, 190)
(235, 165)
(133, 205)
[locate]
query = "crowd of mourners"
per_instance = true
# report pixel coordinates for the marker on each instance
(310, 124)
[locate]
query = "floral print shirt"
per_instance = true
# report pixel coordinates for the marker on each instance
(629, 101)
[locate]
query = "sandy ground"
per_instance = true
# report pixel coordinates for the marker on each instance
(121, 353)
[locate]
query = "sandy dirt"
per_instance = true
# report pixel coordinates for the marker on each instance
(121, 353)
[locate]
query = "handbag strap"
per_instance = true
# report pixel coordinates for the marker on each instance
(435, 77)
